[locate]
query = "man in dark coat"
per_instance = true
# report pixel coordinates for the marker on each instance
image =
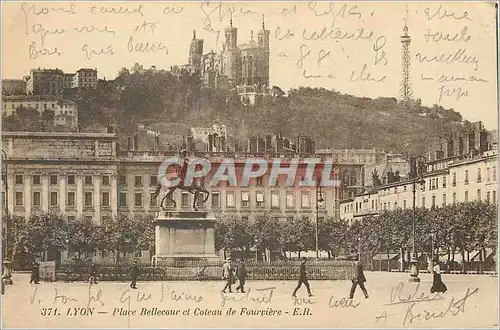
(134, 274)
(241, 273)
(303, 278)
(358, 279)
(35, 273)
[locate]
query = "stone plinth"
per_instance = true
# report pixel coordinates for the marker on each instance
(184, 235)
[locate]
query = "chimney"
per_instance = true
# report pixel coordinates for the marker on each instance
(136, 142)
(210, 142)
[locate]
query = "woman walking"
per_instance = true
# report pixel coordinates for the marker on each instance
(437, 283)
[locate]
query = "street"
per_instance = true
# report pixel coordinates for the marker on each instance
(471, 301)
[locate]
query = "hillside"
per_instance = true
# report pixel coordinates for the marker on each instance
(172, 104)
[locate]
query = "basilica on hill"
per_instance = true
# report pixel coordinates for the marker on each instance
(244, 67)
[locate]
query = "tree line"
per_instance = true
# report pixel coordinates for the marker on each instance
(458, 228)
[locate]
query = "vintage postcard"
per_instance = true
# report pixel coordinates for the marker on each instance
(249, 164)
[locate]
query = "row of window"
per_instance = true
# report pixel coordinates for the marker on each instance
(434, 182)
(305, 201)
(88, 180)
(491, 175)
(490, 197)
(153, 180)
(88, 199)
(37, 105)
(105, 180)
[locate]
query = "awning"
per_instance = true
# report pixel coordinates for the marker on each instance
(458, 257)
(383, 256)
(474, 255)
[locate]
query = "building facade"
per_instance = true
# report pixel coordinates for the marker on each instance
(65, 111)
(54, 81)
(45, 82)
(355, 156)
(84, 79)
(447, 181)
(86, 175)
(13, 87)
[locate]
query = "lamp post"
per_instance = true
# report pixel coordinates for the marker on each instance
(67, 249)
(319, 199)
(416, 169)
(4, 176)
(256, 241)
(6, 274)
(359, 248)
(6, 188)
(432, 246)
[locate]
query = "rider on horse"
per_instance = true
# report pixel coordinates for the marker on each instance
(196, 187)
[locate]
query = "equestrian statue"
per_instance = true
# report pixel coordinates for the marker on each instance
(196, 188)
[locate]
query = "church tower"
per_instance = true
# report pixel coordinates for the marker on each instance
(231, 54)
(263, 36)
(263, 44)
(231, 35)
(196, 53)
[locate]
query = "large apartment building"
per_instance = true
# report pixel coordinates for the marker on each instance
(460, 167)
(54, 81)
(86, 175)
(446, 181)
(65, 111)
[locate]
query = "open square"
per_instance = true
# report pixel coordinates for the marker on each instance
(470, 302)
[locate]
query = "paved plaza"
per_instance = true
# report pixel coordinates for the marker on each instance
(472, 301)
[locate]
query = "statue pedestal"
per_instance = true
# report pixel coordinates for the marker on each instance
(184, 235)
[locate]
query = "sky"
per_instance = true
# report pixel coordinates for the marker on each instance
(354, 48)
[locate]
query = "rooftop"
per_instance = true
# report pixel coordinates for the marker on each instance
(52, 98)
(31, 97)
(56, 70)
(7, 134)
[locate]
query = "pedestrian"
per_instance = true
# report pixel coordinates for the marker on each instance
(93, 273)
(2, 280)
(35, 273)
(358, 279)
(302, 278)
(241, 273)
(134, 274)
(227, 275)
(437, 283)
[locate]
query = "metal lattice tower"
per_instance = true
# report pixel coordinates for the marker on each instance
(406, 91)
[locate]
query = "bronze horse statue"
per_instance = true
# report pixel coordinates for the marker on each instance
(197, 188)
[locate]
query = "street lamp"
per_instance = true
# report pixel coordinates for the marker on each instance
(4, 177)
(359, 248)
(432, 248)
(319, 199)
(6, 186)
(67, 248)
(416, 172)
(6, 275)
(256, 241)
